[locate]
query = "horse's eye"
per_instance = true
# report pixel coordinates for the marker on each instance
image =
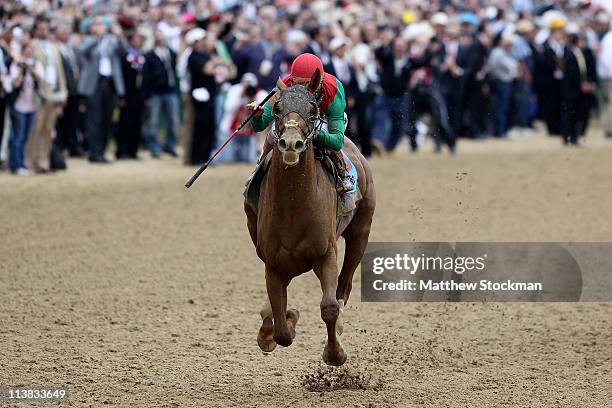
(313, 109)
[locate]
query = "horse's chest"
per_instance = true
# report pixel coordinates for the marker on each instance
(292, 247)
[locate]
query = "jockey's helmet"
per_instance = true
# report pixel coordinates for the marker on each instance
(304, 66)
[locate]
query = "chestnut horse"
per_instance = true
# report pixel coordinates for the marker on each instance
(294, 228)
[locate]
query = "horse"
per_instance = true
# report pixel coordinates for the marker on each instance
(294, 228)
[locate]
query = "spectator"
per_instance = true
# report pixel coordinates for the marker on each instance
(5, 80)
(194, 35)
(26, 75)
(340, 67)
(202, 63)
(441, 65)
(523, 52)
(551, 76)
(67, 136)
(504, 70)
(474, 74)
(243, 147)
(53, 93)
(425, 66)
(129, 130)
(249, 55)
(101, 81)
(276, 54)
(392, 56)
(159, 87)
(363, 62)
(578, 89)
(170, 27)
(604, 70)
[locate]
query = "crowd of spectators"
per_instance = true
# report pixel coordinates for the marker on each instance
(76, 74)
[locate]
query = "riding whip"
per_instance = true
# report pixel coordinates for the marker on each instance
(243, 124)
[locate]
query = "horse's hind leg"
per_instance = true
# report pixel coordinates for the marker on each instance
(284, 322)
(356, 238)
(327, 271)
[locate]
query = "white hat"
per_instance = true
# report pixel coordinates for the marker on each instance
(249, 79)
(294, 36)
(553, 19)
(336, 42)
(194, 35)
(417, 31)
(440, 19)
(491, 12)
(524, 26)
(602, 18)
(572, 28)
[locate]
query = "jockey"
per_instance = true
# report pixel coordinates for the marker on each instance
(332, 104)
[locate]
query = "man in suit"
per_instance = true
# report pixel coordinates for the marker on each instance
(159, 87)
(392, 57)
(474, 101)
(100, 82)
(129, 130)
(441, 81)
(578, 89)
(551, 77)
(53, 94)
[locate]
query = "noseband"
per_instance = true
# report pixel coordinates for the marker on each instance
(297, 99)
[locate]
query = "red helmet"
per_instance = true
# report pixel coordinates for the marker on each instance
(305, 66)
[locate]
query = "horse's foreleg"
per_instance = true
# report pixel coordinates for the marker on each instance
(327, 271)
(277, 293)
(265, 339)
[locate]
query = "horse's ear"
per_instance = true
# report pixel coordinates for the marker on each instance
(315, 81)
(281, 85)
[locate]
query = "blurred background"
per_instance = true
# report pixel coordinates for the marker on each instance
(112, 79)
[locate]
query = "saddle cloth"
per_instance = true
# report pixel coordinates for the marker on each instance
(347, 202)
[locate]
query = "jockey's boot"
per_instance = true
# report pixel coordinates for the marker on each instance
(343, 183)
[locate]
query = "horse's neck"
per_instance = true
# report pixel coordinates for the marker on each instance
(294, 187)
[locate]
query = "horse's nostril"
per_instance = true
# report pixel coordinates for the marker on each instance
(299, 145)
(282, 143)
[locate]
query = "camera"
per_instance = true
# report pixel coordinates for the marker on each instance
(250, 91)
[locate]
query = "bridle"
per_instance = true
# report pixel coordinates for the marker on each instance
(314, 122)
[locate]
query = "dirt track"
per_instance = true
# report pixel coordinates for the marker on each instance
(118, 283)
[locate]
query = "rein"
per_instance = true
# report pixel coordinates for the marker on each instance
(315, 129)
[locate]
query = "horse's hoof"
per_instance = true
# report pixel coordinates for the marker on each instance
(284, 341)
(264, 337)
(294, 315)
(339, 359)
(267, 346)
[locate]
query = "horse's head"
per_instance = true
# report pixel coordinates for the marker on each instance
(295, 118)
